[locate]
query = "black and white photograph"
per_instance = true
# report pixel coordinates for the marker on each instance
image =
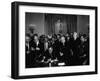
(54, 40)
(51, 40)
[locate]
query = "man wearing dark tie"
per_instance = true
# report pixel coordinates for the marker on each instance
(36, 50)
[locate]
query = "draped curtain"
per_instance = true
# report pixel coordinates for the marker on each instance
(69, 23)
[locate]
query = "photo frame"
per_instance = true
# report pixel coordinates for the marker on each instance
(52, 20)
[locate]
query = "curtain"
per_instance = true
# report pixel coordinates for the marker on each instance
(69, 23)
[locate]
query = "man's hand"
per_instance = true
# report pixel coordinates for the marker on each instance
(37, 48)
(61, 54)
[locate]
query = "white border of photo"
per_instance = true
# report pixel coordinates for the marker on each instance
(54, 70)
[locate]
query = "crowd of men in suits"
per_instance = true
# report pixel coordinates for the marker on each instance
(57, 49)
